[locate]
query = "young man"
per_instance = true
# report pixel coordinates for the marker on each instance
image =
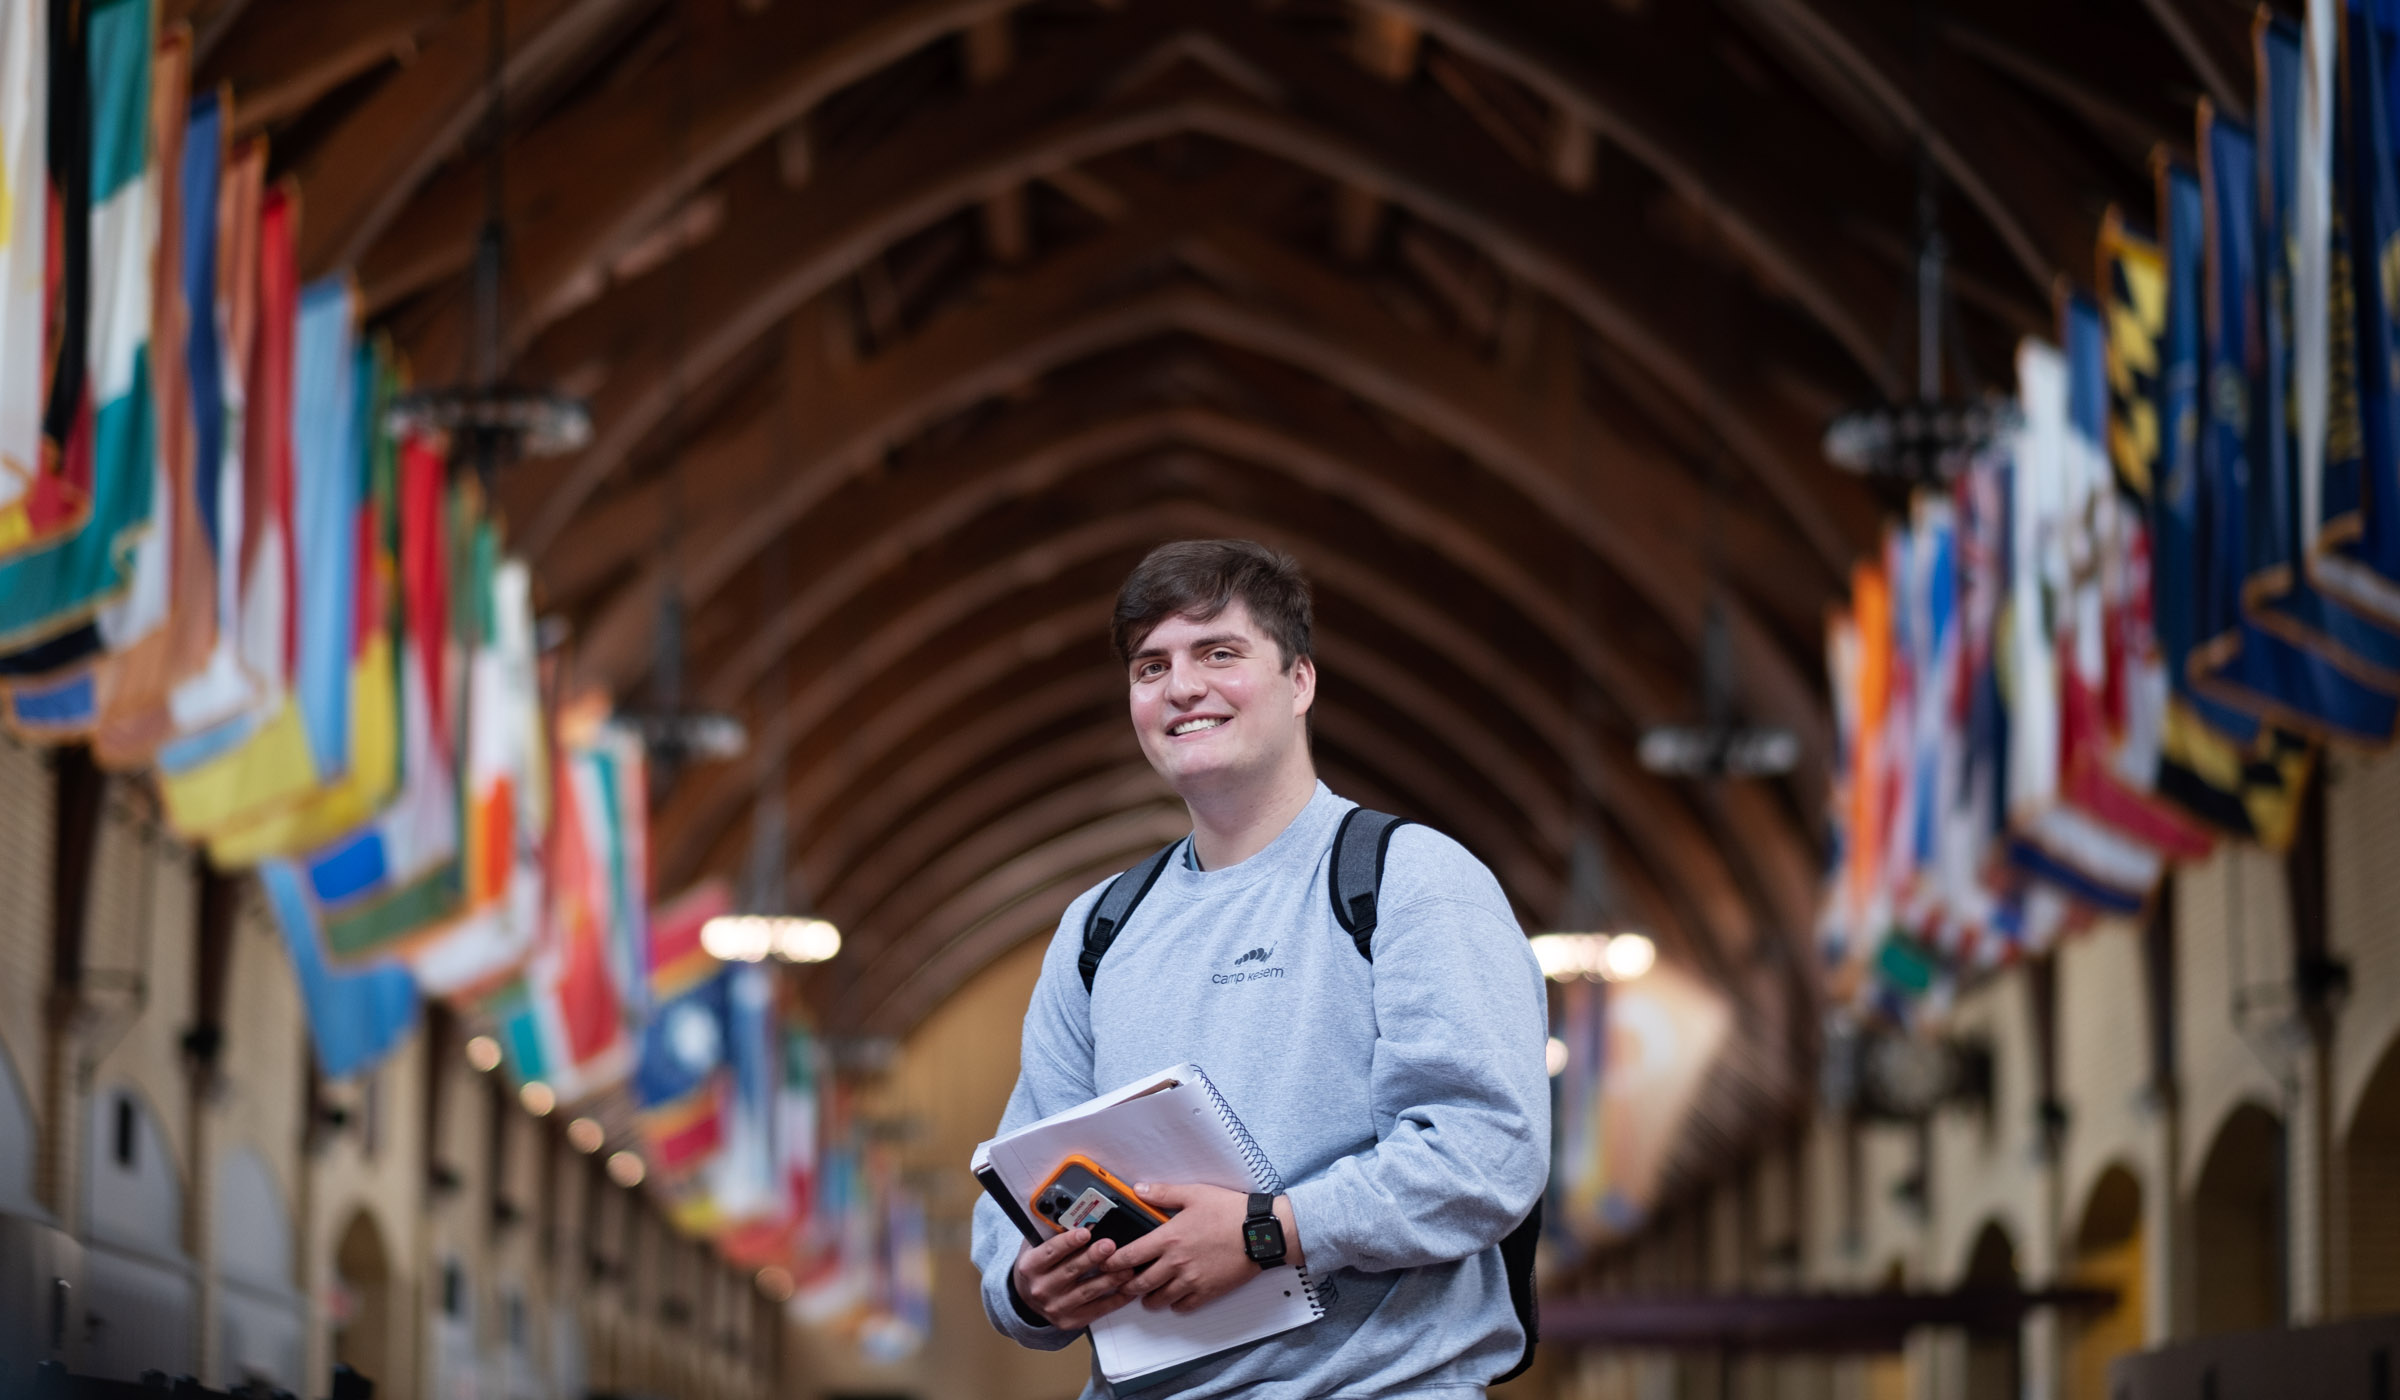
(1404, 1100)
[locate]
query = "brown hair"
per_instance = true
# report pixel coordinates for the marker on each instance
(1199, 579)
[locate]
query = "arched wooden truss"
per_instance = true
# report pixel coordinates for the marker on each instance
(910, 324)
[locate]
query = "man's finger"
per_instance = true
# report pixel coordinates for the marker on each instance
(1060, 1245)
(1138, 1254)
(1167, 1196)
(1088, 1292)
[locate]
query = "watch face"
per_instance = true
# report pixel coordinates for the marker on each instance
(1262, 1238)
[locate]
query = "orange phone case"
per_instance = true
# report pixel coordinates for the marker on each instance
(1103, 1173)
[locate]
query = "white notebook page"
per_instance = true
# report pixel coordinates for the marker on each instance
(1170, 1136)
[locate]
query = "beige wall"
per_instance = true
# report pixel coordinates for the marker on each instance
(141, 1000)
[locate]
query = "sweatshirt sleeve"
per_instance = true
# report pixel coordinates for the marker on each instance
(1461, 1093)
(1054, 1073)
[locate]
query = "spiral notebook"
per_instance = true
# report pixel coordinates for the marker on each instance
(1172, 1126)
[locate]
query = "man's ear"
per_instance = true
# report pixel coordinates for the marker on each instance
(1304, 684)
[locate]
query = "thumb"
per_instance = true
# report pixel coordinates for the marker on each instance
(1165, 1197)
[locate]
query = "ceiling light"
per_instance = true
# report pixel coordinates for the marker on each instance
(586, 1135)
(1719, 751)
(1594, 957)
(756, 937)
(776, 1282)
(626, 1169)
(1627, 956)
(538, 1098)
(483, 1053)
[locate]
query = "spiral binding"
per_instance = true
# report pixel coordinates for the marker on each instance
(1263, 1175)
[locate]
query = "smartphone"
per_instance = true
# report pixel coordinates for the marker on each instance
(1082, 1193)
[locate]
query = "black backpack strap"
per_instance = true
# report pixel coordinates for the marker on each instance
(1114, 906)
(1516, 1259)
(1356, 877)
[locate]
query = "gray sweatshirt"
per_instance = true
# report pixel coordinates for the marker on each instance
(1405, 1102)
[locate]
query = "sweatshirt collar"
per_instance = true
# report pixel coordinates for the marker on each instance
(1299, 845)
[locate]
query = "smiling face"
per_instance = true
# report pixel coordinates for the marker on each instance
(1215, 707)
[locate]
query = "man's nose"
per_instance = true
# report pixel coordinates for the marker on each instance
(1185, 684)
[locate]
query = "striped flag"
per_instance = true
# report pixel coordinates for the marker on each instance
(100, 419)
(24, 268)
(163, 630)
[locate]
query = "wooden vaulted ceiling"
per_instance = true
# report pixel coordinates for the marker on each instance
(908, 325)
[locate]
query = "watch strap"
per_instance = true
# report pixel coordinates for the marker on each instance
(1261, 1204)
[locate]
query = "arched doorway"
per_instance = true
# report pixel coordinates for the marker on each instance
(137, 1278)
(260, 1322)
(2238, 1225)
(2370, 1164)
(16, 1143)
(362, 1328)
(2107, 1254)
(1992, 1365)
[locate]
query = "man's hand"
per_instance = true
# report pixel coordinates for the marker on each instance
(1065, 1279)
(1196, 1257)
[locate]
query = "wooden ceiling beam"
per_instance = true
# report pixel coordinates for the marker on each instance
(280, 58)
(356, 181)
(1982, 137)
(1010, 341)
(1630, 289)
(597, 176)
(1746, 167)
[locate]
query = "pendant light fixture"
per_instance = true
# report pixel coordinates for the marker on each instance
(492, 423)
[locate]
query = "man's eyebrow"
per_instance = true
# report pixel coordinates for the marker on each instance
(1215, 639)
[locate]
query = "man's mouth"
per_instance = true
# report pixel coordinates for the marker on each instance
(1192, 726)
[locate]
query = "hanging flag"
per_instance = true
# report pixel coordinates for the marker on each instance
(562, 1018)
(2232, 660)
(57, 501)
(610, 787)
(2354, 550)
(354, 1018)
(360, 564)
(396, 880)
(2297, 398)
(1972, 816)
(2217, 762)
(261, 760)
(222, 689)
(507, 814)
(164, 628)
(27, 491)
(680, 1078)
(2113, 696)
(50, 591)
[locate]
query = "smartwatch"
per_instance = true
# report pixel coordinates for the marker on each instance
(1262, 1233)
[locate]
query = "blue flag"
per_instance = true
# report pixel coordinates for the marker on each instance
(2355, 555)
(354, 1018)
(2217, 762)
(2231, 660)
(2278, 594)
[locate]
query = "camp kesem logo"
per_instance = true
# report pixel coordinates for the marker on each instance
(1255, 955)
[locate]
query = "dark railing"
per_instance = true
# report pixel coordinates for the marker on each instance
(2358, 1360)
(52, 1381)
